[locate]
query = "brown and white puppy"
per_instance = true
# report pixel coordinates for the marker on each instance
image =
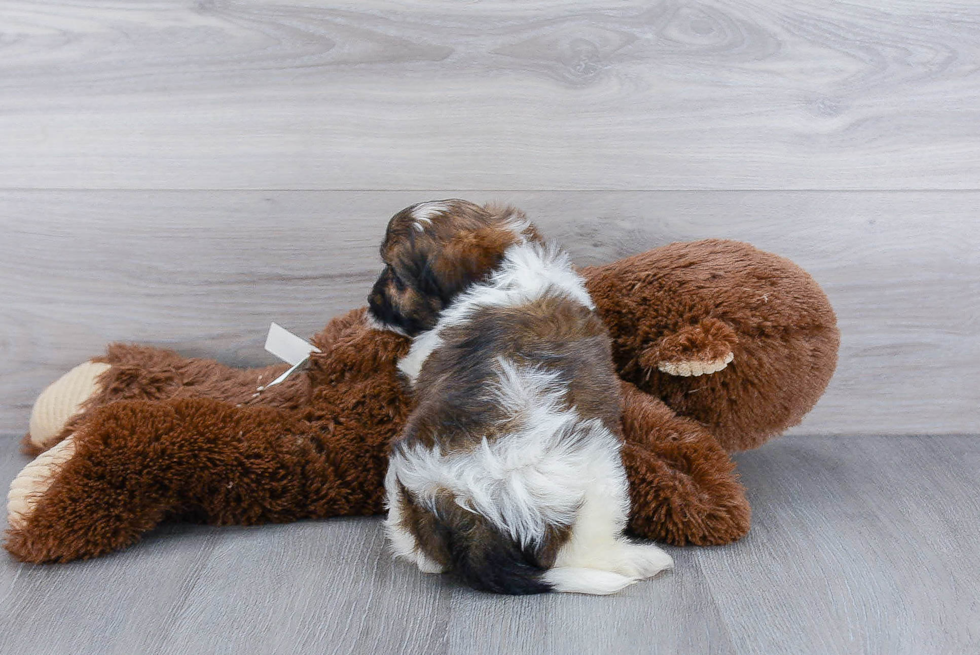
(508, 472)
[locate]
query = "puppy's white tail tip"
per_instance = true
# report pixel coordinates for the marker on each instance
(586, 581)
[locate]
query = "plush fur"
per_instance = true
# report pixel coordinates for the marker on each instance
(170, 438)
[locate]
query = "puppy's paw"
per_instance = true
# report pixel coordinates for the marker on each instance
(594, 582)
(644, 560)
(62, 400)
(34, 480)
(427, 564)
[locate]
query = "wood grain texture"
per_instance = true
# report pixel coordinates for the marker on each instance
(674, 613)
(865, 545)
(206, 272)
(498, 95)
(857, 546)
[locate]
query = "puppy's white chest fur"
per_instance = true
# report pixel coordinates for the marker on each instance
(422, 347)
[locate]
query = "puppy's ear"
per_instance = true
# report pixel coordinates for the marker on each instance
(513, 219)
(470, 257)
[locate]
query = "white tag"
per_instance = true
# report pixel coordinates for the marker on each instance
(284, 375)
(287, 346)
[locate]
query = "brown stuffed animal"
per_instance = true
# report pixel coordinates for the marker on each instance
(720, 346)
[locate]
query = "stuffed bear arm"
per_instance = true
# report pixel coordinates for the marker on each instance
(134, 372)
(683, 484)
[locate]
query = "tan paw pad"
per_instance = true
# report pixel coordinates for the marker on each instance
(61, 401)
(35, 479)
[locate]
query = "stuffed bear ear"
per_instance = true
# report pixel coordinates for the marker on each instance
(469, 258)
(694, 350)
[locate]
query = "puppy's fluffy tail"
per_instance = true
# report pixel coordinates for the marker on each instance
(485, 558)
(499, 568)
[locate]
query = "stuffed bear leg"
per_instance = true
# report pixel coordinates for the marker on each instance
(132, 464)
(132, 372)
(683, 485)
(60, 402)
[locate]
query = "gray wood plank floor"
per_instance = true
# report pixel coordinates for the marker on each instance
(859, 545)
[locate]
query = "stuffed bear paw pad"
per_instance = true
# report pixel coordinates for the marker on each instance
(34, 480)
(62, 400)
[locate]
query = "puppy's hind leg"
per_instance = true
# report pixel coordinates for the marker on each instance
(597, 556)
(403, 542)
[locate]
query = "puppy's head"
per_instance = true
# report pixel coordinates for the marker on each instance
(432, 252)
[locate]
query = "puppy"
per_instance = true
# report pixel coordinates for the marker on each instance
(508, 472)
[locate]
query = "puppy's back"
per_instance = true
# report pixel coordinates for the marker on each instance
(550, 348)
(518, 405)
(508, 471)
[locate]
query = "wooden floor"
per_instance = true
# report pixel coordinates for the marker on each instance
(859, 545)
(183, 172)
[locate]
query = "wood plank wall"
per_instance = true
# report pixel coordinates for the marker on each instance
(181, 173)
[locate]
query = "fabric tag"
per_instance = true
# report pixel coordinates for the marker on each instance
(288, 347)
